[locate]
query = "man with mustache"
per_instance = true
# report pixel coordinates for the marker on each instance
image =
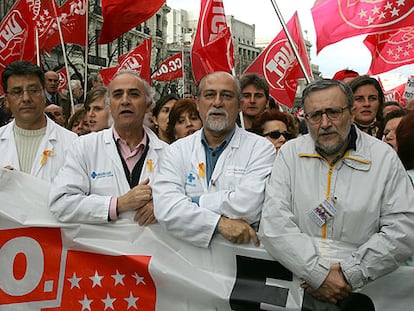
(31, 143)
(107, 174)
(339, 208)
(212, 182)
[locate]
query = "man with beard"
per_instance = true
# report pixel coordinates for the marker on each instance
(339, 208)
(107, 174)
(212, 182)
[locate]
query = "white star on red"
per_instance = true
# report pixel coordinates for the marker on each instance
(119, 278)
(370, 20)
(395, 12)
(132, 301)
(86, 303)
(96, 279)
(375, 10)
(388, 6)
(139, 279)
(400, 2)
(362, 14)
(109, 302)
(74, 281)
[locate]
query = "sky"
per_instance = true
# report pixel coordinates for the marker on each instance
(349, 53)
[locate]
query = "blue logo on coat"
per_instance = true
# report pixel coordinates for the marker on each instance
(95, 175)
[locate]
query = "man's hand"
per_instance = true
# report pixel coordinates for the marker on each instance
(8, 167)
(135, 198)
(145, 215)
(237, 231)
(333, 289)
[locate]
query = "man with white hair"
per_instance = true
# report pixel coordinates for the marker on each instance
(107, 174)
(212, 182)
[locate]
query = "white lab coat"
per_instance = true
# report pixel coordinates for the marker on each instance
(236, 189)
(92, 174)
(57, 139)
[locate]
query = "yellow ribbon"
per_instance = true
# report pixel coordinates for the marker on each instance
(46, 154)
(150, 168)
(201, 170)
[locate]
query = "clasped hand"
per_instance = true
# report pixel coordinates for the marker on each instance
(138, 199)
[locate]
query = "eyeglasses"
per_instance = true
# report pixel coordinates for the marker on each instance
(277, 134)
(332, 114)
(17, 93)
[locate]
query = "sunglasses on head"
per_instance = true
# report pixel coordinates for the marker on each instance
(277, 134)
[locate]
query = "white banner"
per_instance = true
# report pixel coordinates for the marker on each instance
(45, 265)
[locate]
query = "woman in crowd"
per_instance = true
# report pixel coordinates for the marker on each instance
(184, 119)
(405, 141)
(160, 115)
(78, 122)
(391, 122)
(97, 108)
(368, 104)
(278, 127)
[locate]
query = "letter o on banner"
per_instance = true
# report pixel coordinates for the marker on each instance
(34, 268)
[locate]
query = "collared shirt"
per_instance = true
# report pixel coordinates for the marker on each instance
(131, 158)
(212, 155)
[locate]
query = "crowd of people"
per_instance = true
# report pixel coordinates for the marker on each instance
(228, 162)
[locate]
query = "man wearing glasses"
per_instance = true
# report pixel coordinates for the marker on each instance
(31, 143)
(339, 208)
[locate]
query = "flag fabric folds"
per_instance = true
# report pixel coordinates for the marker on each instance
(170, 69)
(63, 79)
(138, 59)
(279, 65)
(17, 35)
(390, 50)
(336, 20)
(72, 18)
(122, 15)
(212, 47)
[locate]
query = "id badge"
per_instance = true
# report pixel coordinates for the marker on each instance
(323, 212)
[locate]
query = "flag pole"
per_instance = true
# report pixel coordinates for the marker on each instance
(291, 42)
(37, 47)
(182, 67)
(85, 88)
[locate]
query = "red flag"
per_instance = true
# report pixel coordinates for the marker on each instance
(104, 282)
(63, 79)
(17, 35)
(390, 50)
(396, 93)
(43, 18)
(139, 59)
(279, 66)
(337, 20)
(72, 17)
(170, 69)
(121, 15)
(35, 282)
(213, 47)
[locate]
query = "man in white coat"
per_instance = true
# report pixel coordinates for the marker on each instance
(212, 182)
(106, 174)
(339, 207)
(31, 143)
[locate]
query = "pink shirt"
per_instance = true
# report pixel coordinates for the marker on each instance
(131, 158)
